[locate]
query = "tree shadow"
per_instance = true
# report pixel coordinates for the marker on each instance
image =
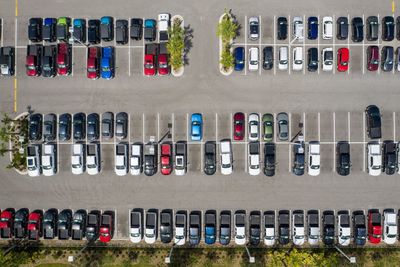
(188, 36)
(239, 26)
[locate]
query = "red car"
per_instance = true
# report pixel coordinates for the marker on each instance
(343, 59)
(166, 158)
(150, 56)
(64, 59)
(163, 67)
(372, 58)
(238, 126)
(35, 225)
(33, 60)
(374, 226)
(93, 62)
(6, 223)
(106, 227)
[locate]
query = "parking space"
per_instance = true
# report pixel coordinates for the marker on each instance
(150, 127)
(223, 126)
(388, 125)
(180, 127)
(195, 157)
(209, 127)
(136, 127)
(312, 126)
(341, 120)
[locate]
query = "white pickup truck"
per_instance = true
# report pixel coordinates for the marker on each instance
(33, 160)
(226, 157)
(136, 160)
(78, 164)
(254, 158)
(49, 159)
(314, 158)
(163, 25)
(374, 158)
(121, 159)
(93, 158)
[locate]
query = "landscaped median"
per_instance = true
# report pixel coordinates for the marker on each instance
(226, 31)
(176, 45)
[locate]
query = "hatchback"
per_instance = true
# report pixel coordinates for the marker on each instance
(283, 126)
(387, 56)
(238, 126)
(342, 25)
(312, 28)
(196, 131)
(238, 54)
(343, 59)
(253, 58)
(93, 126)
(312, 59)
(64, 127)
(35, 127)
(268, 127)
(388, 28)
(282, 25)
(372, 58)
(121, 125)
(372, 28)
(254, 28)
(268, 58)
(358, 29)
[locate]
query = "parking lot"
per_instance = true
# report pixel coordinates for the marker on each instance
(330, 107)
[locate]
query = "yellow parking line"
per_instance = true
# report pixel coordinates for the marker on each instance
(393, 6)
(16, 8)
(15, 94)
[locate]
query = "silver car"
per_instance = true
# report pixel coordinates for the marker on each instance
(254, 28)
(283, 126)
(107, 125)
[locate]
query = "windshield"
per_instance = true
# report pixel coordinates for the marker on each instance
(61, 65)
(91, 69)
(76, 166)
(149, 65)
(135, 234)
(105, 69)
(91, 166)
(283, 62)
(163, 65)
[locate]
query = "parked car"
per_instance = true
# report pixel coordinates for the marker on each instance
(195, 227)
(35, 29)
(343, 162)
(313, 226)
(238, 126)
(33, 160)
(93, 127)
(374, 226)
(107, 68)
(107, 226)
(398, 27)
(35, 127)
(387, 58)
(20, 223)
(390, 226)
(372, 28)
(107, 28)
(107, 125)
(298, 29)
(7, 223)
(49, 159)
(64, 223)
(268, 57)
(283, 227)
(121, 31)
(297, 58)
(358, 29)
(94, 31)
(253, 59)
(327, 31)
(342, 26)
(93, 225)
(166, 226)
(343, 59)
(225, 227)
(196, 132)
(283, 126)
(314, 158)
(50, 127)
(298, 227)
(49, 61)
(282, 25)
(283, 58)
(64, 127)
(78, 158)
(390, 160)
(388, 28)
(343, 232)
(327, 59)
(312, 59)
(268, 127)
(328, 223)
(254, 127)
(373, 122)
(374, 158)
(121, 125)
(255, 227)
(121, 160)
(254, 28)
(136, 158)
(269, 228)
(93, 62)
(239, 219)
(35, 225)
(372, 58)
(180, 228)
(226, 156)
(49, 29)
(79, 32)
(298, 158)
(210, 227)
(64, 59)
(312, 28)
(151, 226)
(33, 60)
(78, 224)
(210, 157)
(79, 126)
(136, 29)
(398, 57)
(238, 54)
(150, 26)
(269, 159)
(254, 158)
(180, 158)
(359, 227)
(136, 225)
(166, 158)
(150, 162)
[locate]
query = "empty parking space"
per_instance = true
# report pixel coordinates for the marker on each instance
(107, 157)
(295, 119)
(136, 60)
(136, 127)
(312, 126)
(180, 127)
(356, 125)
(224, 126)
(194, 157)
(239, 152)
(327, 132)
(387, 125)
(342, 132)
(327, 158)
(79, 59)
(209, 127)
(64, 158)
(357, 157)
(150, 127)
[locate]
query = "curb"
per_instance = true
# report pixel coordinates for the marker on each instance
(10, 147)
(181, 70)
(221, 70)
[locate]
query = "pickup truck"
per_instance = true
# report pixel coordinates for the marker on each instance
(226, 157)
(194, 227)
(93, 161)
(269, 226)
(150, 233)
(210, 228)
(107, 63)
(298, 227)
(7, 61)
(313, 227)
(254, 158)
(163, 55)
(283, 226)
(121, 159)
(7, 223)
(150, 158)
(269, 159)
(328, 222)
(93, 62)
(225, 227)
(49, 61)
(33, 160)
(389, 226)
(34, 60)
(49, 159)
(35, 225)
(136, 29)
(166, 158)
(255, 228)
(166, 230)
(79, 224)
(359, 227)
(374, 158)
(210, 157)
(298, 158)
(106, 226)
(121, 31)
(390, 161)
(136, 225)
(373, 118)
(150, 26)
(64, 59)
(180, 158)
(150, 58)
(239, 219)
(374, 226)
(180, 228)
(136, 160)
(78, 158)
(20, 223)
(314, 158)
(92, 226)
(163, 25)
(64, 224)
(343, 231)
(343, 158)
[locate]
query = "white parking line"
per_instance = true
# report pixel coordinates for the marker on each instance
(363, 52)
(319, 127)
(290, 136)
(129, 127)
(259, 49)
(304, 126)
(304, 46)
(364, 141)
(334, 140)
(116, 222)
(129, 52)
(15, 44)
(289, 44)
(348, 126)
(245, 46)
(275, 128)
(318, 45)
(333, 44)
(216, 127)
(143, 126)
(187, 127)
(143, 49)
(245, 158)
(394, 126)
(129, 219)
(158, 126)
(274, 47)
(2, 32)
(173, 127)
(231, 126)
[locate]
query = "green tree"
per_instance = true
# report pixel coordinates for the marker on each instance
(227, 29)
(227, 59)
(176, 44)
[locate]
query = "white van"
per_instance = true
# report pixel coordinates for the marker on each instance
(253, 59)
(297, 58)
(283, 58)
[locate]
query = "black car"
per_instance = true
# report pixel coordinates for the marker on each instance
(35, 29)
(268, 58)
(388, 28)
(359, 227)
(210, 157)
(7, 60)
(255, 227)
(389, 153)
(150, 158)
(269, 159)
(50, 224)
(342, 25)
(79, 126)
(284, 227)
(107, 125)
(121, 31)
(136, 29)
(398, 28)
(94, 31)
(79, 30)
(358, 29)
(387, 58)
(64, 224)
(35, 127)
(93, 126)
(343, 162)
(20, 223)
(107, 28)
(166, 231)
(328, 224)
(49, 61)
(282, 27)
(299, 158)
(373, 118)
(372, 28)
(312, 59)
(121, 125)
(49, 29)
(225, 227)
(64, 127)
(78, 224)
(92, 225)
(50, 127)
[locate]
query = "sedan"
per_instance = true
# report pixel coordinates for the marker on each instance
(254, 28)
(35, 29)
(387, 56)
(93, 126)
(268, 58)
(343, 59)
(388, 28)
(121, 125)
(327, 31)
(282, 25)
(372, 58)
(50, 128)
(312, 28)
(358, 29)
(64, 127)
(283, 126)
(238, 54)
(196, 128)
(35, 127)
(107, 125)
(342, 25)
(79, 126)
(238, 126)
(268, 126)
(254, 129)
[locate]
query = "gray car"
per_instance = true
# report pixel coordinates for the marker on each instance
(93, 127)
(50, 128)
(121, 125)
(283, 126)
(107, 125)
(387, 58)
(372, 28)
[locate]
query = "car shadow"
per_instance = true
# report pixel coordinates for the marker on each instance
(188, 36)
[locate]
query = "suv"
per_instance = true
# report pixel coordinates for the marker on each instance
(94, 31)
(372, 28)
(107, 28)
(269, 159)
(388, 28)
(35, 29)
(313, 227)
(210, 157)
(79, 126)
(373, 121)
(374, 158)
(238, 55)
(312, 59)
(312, 28)
(166, 230)
(121, 31)
(255, 227)
(358, 31)
(359, 227)
(136, 29)
(50, 127)
(64, 223)
(343, 162)
(298, 29)
(194, 227)
(299, 158)
(79, 32)
(253, 59)
(210, 226)
(269, 227)
(389, 226)
(268, 57)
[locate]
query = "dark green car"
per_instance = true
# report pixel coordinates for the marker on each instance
(268, 126)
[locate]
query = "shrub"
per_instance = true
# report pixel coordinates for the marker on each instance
(176, 44)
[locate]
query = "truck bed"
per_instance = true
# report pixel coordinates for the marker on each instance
(48, 51)
(105, 219)
(92, 219)
(194, 219)
(210, 148)
(210, 219)
(359, 220)
(269, 149)
(269, 220)
(120, 149)
(180, 219)
(151, 49)
(91, 149)
(254, 148)
(299, 219)
(31, 151)
(255, 220)
(149, 149)
(32, 50)
(313, 220)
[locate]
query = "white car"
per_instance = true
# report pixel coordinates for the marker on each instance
(226, 157)
(136, 159)
(297, 58)
(254, 158)
(93, 158)
(254, 127)
(344, 232)
(150, 232)
(180, 229)
(240, 228)
(374, 158)
(78, 158)
(253, 59)
(163, 25)
(298, 29)
(135, 228)
(121, 159)
(298, 229)
(327, 59)
(314, 231)
(33, 160)
(389, 226)
(314, 158)
(283, 58)
(327, 28)
(254, 28)
(49, 160)
(269, 226)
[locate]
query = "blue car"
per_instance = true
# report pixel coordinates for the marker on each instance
(312, 28)
(196, 132)
(107, 63)
(238, 53)
(49, 29)
(79, 30)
